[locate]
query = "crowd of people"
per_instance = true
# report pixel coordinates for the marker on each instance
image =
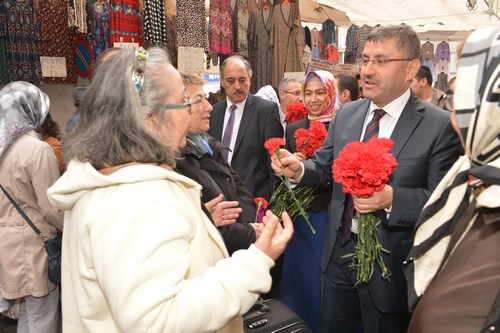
(156, 184)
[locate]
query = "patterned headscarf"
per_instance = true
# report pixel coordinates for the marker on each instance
(23, 107)
(269, 94)
(332, 99)
(477, 103)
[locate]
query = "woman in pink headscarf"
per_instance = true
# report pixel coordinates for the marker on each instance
(300, 279)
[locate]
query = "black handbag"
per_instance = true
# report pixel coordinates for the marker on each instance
(52, 246)
(272, 316)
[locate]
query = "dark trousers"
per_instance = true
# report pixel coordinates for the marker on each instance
(349, 309)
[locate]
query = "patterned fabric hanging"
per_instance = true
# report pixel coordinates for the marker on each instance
(99, 41)
(155, 30)
(77, 14)
(191, 24)
(221, 34)
(21, 36)
(56, 39)
(125, 22)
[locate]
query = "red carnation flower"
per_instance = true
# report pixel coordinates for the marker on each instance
(260, 205)
(273, 144)
(308, 140)
(295, 111)
(364, 167)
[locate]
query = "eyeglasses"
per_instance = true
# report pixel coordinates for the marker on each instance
(186, 104)
(295, 93)
(380, 61)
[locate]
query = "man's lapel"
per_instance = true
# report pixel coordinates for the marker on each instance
(245, 120)
(409, 119)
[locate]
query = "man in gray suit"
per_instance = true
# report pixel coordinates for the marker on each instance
(425, 146)
(243, 123)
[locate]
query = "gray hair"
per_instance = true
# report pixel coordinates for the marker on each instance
(112, 128)
(407, 40)
(235, 58)
(283, 85)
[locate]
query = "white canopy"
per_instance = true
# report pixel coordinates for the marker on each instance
(432, 19)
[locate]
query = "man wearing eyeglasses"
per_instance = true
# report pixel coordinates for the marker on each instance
(425, 147)
(243, 123)
(289, 92)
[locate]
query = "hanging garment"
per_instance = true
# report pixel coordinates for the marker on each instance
(240, 33)
(77, 14)
(442, 52)
(172, 39)
(191, 24)
(350, 44)
(329, 32)
(57, 39)
(125, 22)
(99, 41)
(427, 51)
(21, 37)
(287, 40)
(221, 27)
(259, 43)
(155, 30)
(361, 39)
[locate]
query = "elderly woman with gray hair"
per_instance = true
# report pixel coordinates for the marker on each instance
(28, 167)
(139, 253)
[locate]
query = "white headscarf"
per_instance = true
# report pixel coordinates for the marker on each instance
(23, 107)
(269, 94)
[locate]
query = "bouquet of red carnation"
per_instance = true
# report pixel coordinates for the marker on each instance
(363, 168)
(260, 206)
(286, 198)
(308, 140)
(295, 111)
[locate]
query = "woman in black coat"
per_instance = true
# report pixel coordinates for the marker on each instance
(234, 213)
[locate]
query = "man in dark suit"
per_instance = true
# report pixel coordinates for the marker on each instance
(425, 146)
(253, 121)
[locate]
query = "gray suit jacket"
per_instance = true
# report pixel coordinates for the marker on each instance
(425, 147)
(260, 122)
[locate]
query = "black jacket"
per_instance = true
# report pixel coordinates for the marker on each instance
(216, 177)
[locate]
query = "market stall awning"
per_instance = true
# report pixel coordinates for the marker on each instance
(311, 11)
(433, 19)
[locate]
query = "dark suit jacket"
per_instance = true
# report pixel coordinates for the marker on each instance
(425, 147)
(260, 122)
(216, 177)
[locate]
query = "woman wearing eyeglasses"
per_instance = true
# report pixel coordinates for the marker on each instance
(139, 253)
(300, 278)
(225, 195)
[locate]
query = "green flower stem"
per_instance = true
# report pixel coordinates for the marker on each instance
(284, 191)
(299, 206)
(368, 251)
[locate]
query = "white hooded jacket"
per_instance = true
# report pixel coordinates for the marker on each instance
(139, 255)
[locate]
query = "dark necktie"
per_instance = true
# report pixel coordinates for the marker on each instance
(371, 131)
(228, 133)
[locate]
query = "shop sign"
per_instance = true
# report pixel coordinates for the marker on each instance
(126, 45)
(296, 75)
(53, 66)
(346, 69)
(320, 64)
